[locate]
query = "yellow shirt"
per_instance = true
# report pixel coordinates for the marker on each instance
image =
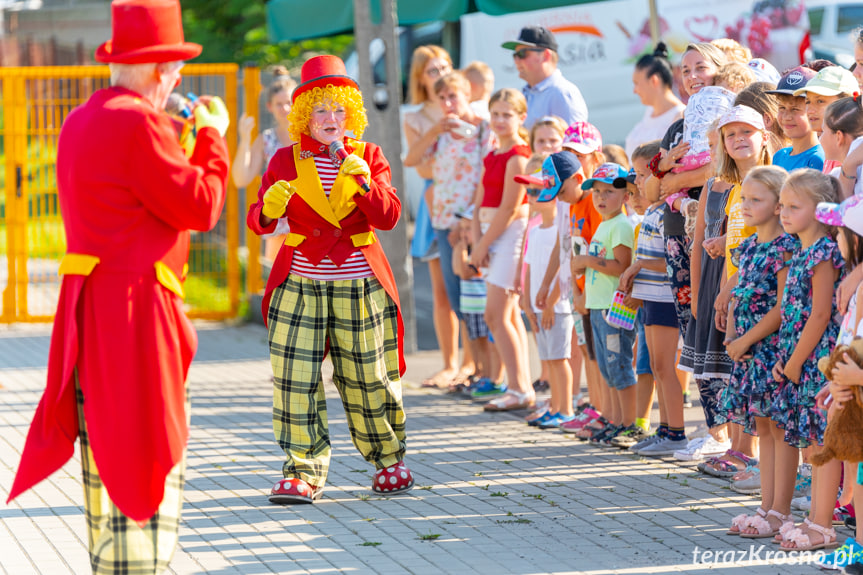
(736, 230)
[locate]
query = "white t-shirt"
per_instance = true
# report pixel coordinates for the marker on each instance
(650, 128)
(539, 249)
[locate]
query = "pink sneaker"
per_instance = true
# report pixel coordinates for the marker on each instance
(579, 421)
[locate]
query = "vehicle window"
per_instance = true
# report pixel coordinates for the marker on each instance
(816, 18)
(849, 18)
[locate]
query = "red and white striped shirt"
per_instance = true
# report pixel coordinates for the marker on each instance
(355, 267)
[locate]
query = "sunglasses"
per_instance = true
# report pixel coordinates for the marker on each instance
(438, 72)
(521, 53)
(533, 192)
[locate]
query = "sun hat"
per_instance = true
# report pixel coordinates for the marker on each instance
(582, 137)
(795, 79)
(146, 32)
(743, 114)
(607, 173)
(535, 36)
(830, 81)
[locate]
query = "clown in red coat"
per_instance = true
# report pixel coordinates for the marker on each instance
(121, 344)
(331, 290)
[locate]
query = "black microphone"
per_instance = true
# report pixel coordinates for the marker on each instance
(338, 153)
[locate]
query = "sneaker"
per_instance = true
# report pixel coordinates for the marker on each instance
(701, 447)
(606, 432)
(629, 437)
(851, 552)
(803, 483)
(687, 399)
(851, 523)
(649, 440)
(663, 447)
(802, 503)
(555, 421)
(579, 421)
(748, 485)
(487, 388)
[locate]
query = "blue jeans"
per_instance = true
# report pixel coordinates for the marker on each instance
(642, 355)
(451, 281)
(613, 351)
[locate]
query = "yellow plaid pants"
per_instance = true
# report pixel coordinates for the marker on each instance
(358, 321)
(118, 545)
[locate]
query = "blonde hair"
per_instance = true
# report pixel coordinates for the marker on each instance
(480, 73)
(416, 88)
(709, 52)
(515, 99)
(534, 163)
(454, 80)
(733, 50)
(726, 167)
(756, 97)
(735, 76)
(771, 177)
(348, 97)
(554, 122)
(815, 185)
(282, 82)
(616, 154)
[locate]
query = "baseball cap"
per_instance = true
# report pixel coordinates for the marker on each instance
(620, 182)
(830, 81)
(556, 169)
(743, 114)
(606, 173)
(535, 36)
(764, 71)
(582, 137)
(795, 78)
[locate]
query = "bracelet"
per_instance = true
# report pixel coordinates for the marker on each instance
(846, 176)
(653, 166)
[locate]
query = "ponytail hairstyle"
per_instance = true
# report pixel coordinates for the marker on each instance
(515, 99)
(817, 186)
(657, 64)
(282, 82)
(845, 115)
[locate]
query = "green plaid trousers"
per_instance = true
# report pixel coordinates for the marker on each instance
(118, 545)
(359, 322)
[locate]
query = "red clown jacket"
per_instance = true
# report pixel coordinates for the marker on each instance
(129, 197)
(336, 226)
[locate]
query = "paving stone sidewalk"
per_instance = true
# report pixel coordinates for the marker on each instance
(493, 495)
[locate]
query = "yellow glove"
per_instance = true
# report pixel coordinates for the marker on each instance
(214, 115)
(356, 166)
(276, 199)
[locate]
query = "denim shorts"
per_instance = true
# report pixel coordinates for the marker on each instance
(642, 356)
(660, 313)
(613, 346)
(451, 281)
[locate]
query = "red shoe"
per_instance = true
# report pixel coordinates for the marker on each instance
(393, 480)
(294, 490)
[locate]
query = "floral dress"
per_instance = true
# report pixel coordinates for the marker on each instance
(750, 390)
(793, 407)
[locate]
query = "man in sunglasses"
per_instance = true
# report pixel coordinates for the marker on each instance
(547, 92)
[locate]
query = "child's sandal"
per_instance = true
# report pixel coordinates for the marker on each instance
(742, 521)
(763, 527)
(802, 541)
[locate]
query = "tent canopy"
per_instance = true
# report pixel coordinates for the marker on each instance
(292, 20)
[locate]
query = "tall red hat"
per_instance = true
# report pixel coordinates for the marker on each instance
(145, 32)
(322, 71)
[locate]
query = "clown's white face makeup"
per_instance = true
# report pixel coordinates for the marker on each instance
(327, 123)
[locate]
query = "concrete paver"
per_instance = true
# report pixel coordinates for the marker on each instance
(492, 495)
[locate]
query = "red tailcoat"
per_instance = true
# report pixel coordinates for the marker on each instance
(128, 196)
(312, 227)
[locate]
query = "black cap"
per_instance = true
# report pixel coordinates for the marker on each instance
(795, 79)
(535, 36)
(621, 182)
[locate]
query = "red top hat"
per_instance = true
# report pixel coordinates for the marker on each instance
(322, 71)
(145, 32)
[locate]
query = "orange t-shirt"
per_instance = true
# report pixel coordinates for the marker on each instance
(583, 221)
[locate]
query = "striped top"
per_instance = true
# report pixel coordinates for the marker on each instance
(355, 267)
(649, 285)
(473, 295)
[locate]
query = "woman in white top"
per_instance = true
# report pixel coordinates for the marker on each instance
(652, 81)
(427, 65)
(253, 157)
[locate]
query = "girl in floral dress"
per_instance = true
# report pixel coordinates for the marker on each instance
(753, 334)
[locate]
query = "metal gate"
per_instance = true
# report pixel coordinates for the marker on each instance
(34, 102)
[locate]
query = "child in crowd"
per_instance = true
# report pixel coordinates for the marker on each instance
(752, 338)
(609, 255)
(481, 78)
(734, 77)
(804, 151)
(808, 332)
(647, 280)
(616, 154)
(498, 230)
(472, 298)
(756, 97)
(553, 328)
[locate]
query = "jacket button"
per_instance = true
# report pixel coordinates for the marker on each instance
(316, 233)
(337, 233)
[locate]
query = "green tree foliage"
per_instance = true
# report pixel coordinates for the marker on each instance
(236, 31)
